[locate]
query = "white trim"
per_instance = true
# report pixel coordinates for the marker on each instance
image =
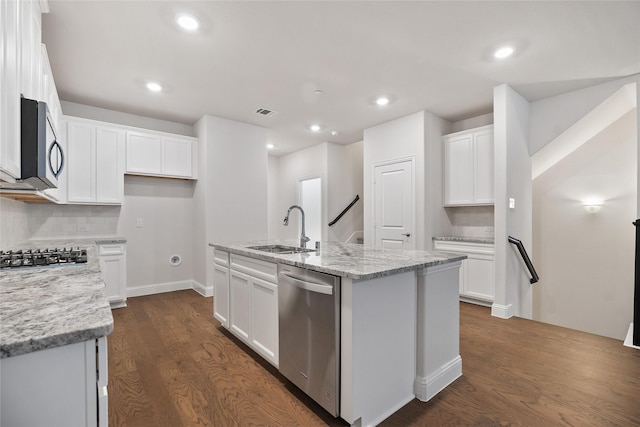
(628, 341)
(118, 303)
(205, 291)
(426, 388)
(502, 311)
(390, 412)
(159, 288)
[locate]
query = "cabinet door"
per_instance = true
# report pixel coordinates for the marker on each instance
(480, 277)
(144, 153)
(458, 169)
(176, 157)
(114, 272)
(264, 327)
(109, 165)
(240, 305)
(81, 157)
(483, 167)
(221, 294)
(10, 88)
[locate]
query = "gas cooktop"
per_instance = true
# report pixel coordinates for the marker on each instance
(42, 257)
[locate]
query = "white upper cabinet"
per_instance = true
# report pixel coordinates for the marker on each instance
(10, 89)
(468, 167)
(163, 155)
(95, 163)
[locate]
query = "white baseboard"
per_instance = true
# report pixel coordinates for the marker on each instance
(202, 289)
(628, 341)
(502, 311)
(159, 288)
(426, 388)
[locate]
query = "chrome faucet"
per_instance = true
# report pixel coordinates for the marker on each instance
(303, 239)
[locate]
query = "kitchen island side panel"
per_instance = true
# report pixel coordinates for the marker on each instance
(378, 356)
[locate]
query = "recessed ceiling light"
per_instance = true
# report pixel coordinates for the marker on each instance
(382, 101)
(503, 52)
(270, 146)
(315, 128)
(154, 87)
(187, 22)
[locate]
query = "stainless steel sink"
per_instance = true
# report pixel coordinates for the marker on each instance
(280, 249)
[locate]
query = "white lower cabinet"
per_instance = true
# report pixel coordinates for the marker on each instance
(113, 264)
(248, 289)
(62, 386)
(477, 273)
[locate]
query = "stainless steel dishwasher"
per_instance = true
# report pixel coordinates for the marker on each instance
(309, 322)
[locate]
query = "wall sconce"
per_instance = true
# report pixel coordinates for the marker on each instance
(592, 207)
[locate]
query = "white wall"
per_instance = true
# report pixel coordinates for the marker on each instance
(237, 180)
(512, 180)
(345, 178)
(166, 209)
(552, 116)
(275, 217)
(585, 260)
(111, 116)
(472, 122)
(303, 164)
(417, 136)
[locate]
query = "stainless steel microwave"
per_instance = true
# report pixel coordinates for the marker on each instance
(42, 158)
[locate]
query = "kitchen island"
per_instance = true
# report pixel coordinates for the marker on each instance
(399, 319)
(53, 324)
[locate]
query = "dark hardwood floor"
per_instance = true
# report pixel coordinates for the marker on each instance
(171, 364)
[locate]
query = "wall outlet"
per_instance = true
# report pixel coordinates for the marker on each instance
(139, 223)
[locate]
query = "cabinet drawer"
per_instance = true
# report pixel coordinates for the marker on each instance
(254, 267)
(221, 257)
(111, 249)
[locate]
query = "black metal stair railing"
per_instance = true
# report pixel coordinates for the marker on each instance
(525, 258)
(345, 210)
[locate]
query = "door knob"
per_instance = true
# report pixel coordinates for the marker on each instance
(406, 234)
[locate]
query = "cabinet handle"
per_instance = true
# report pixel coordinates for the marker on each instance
(406, 234)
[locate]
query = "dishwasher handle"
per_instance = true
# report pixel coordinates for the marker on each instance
(307, 285)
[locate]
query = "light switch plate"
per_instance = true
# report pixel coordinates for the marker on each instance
(512, 203)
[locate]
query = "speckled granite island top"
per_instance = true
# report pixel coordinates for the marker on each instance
(351, 260)
(48, 307)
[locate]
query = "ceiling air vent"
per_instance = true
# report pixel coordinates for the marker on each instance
(265, 112)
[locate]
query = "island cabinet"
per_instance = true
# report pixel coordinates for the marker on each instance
(113, 265)
(162, 155)
(253, 304)
(477, 273)
(468, 167)
(95, 163)
(398, 327)
(61, 386)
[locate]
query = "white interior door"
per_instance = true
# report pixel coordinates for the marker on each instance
(393, 204)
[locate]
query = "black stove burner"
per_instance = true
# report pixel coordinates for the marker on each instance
(42, 257)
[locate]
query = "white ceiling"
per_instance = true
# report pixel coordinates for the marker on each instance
(433, 56)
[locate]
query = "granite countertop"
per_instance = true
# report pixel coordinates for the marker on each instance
(48, 307)
(351, 260)
(488, 240)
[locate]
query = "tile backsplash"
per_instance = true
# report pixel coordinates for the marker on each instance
(471, 221)
(14, 223)
(64, 221)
